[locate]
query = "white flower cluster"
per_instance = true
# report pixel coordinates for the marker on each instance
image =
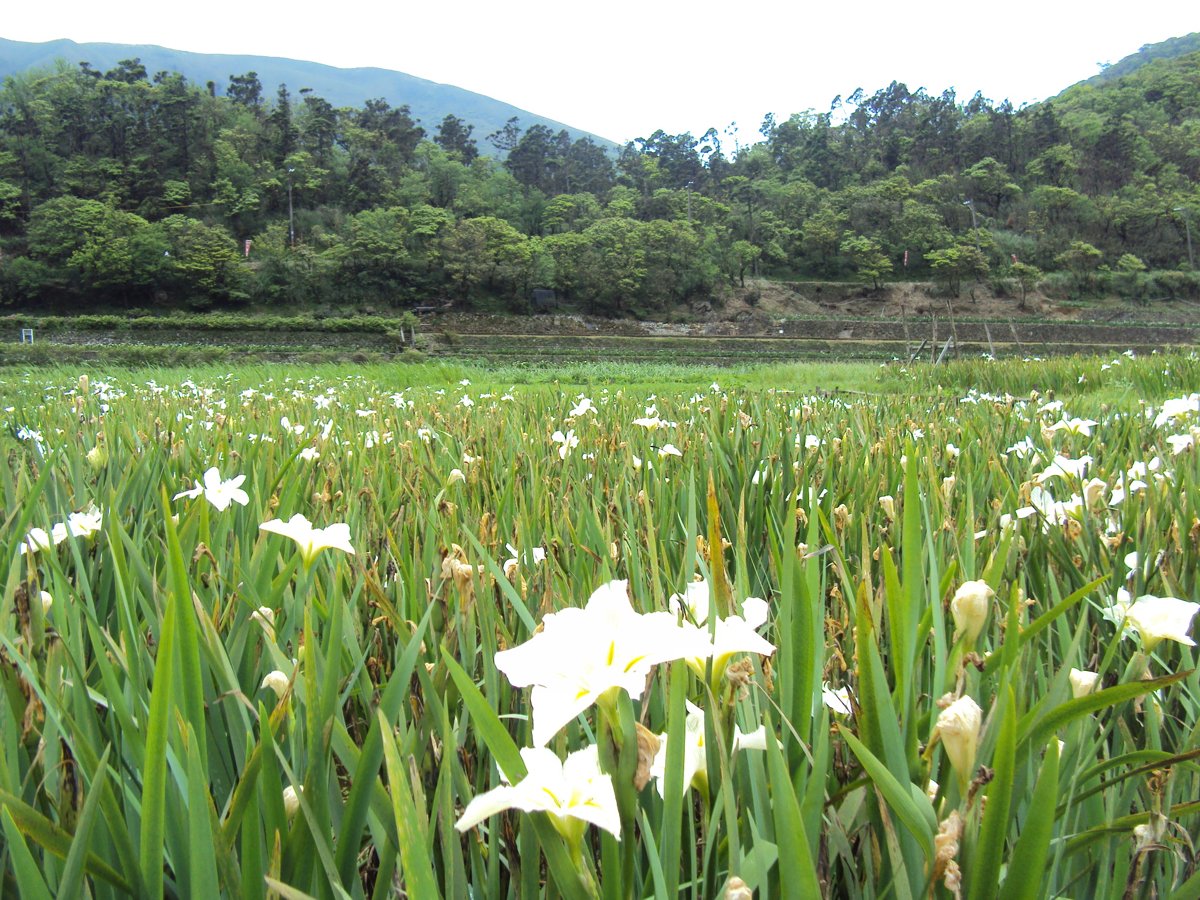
(582, 656)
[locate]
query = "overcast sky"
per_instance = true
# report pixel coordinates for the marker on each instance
(625, 68)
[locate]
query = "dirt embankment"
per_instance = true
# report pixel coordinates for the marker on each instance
(910, 312)
(920, 300)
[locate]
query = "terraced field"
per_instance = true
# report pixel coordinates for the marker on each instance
(557, 339)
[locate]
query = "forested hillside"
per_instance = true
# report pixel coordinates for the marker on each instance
(1172, 47)
(429, 101)
(130, 187)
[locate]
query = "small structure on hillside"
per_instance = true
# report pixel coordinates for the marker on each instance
(26, 335)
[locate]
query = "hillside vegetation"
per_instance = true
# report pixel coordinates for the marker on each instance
(1168, 49)
(428, 101)
(126, 187)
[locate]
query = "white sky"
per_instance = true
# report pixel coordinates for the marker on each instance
(624, 68)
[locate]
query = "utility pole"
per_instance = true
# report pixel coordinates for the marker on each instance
(970, 204)
(291, 217)
(1187, 224)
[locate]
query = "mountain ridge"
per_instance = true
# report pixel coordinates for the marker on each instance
(1172, 47)
(429, 101)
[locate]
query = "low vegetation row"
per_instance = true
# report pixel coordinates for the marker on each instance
(214, 321)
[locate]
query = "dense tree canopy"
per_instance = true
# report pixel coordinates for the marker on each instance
(127, 186)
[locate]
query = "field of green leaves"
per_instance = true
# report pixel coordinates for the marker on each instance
(602, 632)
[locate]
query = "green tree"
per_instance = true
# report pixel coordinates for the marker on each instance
(10, 203)
(59, 227)
(588, 168)
(678, 266)
(128, 71)
(869, 261)
(1081, 259)
(1056, 166)
(677, 157)
(1027, 278)
(542, 159)
(566, 254)
(486, 253)
(374, 256)
(1128, 278)
(283, 274)
(241, 178)
(204, 264)
(1129, 263)
(989, 183)
(951, 265)
(822, 236)
(918, 229)
(245, 90)
(380, 143)
(613, 272)
(454, 136)
(741, 256)
(285, 135)
(570, 212)
(175, 129)
(98, 248)
(506, 138)
(317, 125)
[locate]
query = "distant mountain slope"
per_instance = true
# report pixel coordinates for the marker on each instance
(1168, 49)
(1162, 91)
(429, 101)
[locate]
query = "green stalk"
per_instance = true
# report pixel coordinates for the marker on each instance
(155, 778)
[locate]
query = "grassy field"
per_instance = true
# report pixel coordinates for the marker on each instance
(636, 630)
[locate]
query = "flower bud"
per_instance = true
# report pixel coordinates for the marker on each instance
(1094, 491)
(888, 503)
(841, 517)
(276, 681)
(1083, 682)
(97, 456)
(648, 745)
(291, 800)
(265, 616)
(47, 602)
(970, 608)
(948, 486)
(959, 725)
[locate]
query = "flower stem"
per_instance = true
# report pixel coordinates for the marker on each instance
(618, 758)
